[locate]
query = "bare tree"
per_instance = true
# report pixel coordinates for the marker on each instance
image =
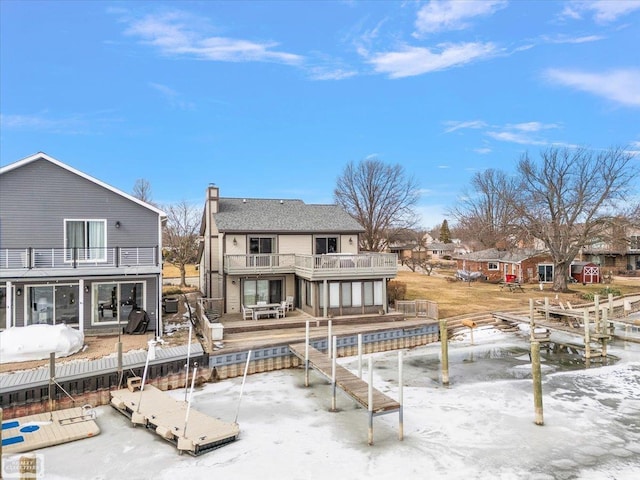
(572, 199)
(142, 190)
(486, 214)
(180, 236)
(380, 197)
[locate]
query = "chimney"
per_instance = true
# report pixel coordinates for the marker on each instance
(213, 195)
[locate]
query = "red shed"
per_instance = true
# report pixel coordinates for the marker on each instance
(585, 272)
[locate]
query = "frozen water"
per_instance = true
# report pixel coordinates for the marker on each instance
(481, 427)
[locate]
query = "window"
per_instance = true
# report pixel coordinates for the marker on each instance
(326, 245)
(259, 245)
(351, 294)
(85, 240)
(545, 273)
(52, 304)
(634, 242)
(254, 291)
(492, 265)
(113, 302)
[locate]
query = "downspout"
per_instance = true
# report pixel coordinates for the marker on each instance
(159, 325)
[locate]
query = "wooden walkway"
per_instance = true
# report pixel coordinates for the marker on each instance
(167, 417)
(351, 384)
(32, 432)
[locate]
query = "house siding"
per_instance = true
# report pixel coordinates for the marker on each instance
(63, 195)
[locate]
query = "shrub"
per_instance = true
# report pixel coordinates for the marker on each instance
(396, 291)
(603, 292)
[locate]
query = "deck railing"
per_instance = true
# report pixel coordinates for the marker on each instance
(63, 258)
(313, 266)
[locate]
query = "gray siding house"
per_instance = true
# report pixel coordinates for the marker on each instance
(75, 250)
(269, 250)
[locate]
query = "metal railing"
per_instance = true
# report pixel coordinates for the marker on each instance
(53, 258)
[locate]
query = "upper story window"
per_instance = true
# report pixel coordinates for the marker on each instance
(259, 245)
(634, 242)
(326, 245)
(85, 239)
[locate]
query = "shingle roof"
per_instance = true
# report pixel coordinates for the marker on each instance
(271, 215)
(493, 254)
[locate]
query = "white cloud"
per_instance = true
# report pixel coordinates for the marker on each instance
(603, 11)
(173, 97)
(410, 61)
(574, 40)
(483, 150)
(175, 34)
(620, 86)
(442, 15)
(515, 137)
(71, 124)
(532, 126)
(453, 125)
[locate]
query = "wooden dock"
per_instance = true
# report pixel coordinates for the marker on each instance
(351, 384)
(32, 432)
(167, 417)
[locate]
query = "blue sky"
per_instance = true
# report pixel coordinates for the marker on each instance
(273, 99)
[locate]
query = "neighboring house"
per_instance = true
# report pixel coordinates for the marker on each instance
(621, 255)
(75, 250)
(523, 265)
(440, 251)
(267, 250)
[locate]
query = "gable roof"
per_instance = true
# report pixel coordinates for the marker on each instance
(271, 215)
(45, 157)
(495, 255)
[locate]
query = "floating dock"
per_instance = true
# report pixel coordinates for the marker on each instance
(167, 417)
(25, 434)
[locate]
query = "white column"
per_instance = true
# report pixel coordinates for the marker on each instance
(325, 294)
(9, 306)
(81, 295)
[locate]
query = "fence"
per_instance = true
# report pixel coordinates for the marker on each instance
(417, 308)
(208, 311)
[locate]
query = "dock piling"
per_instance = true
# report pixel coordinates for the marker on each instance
(400, 387)
(537, 382)
(444, 345)
(333, 374)
(370, 401)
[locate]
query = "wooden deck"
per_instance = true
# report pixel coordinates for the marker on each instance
(25, 434)
(351, 384)
(157, 411)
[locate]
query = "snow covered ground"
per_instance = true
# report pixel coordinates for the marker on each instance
(481, 427)
(36, 342)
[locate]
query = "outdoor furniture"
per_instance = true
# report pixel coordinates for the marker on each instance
(512, 286)
(264, 309)
(282, 309)
(289, 302)
(247, 313)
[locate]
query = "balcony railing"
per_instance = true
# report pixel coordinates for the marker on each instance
(77, 258)
(314, 267)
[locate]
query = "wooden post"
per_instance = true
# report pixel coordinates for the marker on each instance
(333, 374)
(359, 355)
(120, 369)
(604, 338)
(400, 386)
(306, 355)
(537, 382)
(596, 311)
(52, 377)
(444, 346)
(587, 339)
(329, 339)
(546, 309)
(370, 401)
(28, 465)
(532, 322)
(610, 306)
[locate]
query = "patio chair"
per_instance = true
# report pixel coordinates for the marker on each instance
(247, 313)
(289, 302)
(282, 309)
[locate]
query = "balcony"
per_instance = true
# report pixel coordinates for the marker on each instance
(43, 262)
(314, 267)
